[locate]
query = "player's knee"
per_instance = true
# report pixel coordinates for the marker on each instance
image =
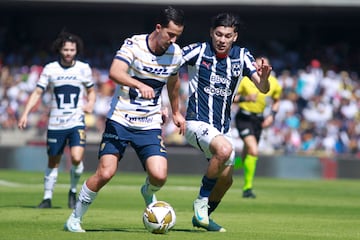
(105, 175)
(224, 152)
(253, 151)
(158, 179)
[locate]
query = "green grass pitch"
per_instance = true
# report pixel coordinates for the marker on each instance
(284, 209)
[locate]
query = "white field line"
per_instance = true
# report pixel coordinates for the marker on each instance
(5, 183)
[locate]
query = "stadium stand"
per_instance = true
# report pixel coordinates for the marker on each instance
(300, 36)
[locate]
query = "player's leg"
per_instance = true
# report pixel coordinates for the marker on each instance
(55, 146)
(50, 179)
(151, 150)
(249, 162)
(157, 174)
(111, 149)
(218, 150)
(221, 149)
(105, 171)
(222, 185)
(77, 141)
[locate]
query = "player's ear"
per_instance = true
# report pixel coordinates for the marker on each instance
(235, 37)
(158, 27)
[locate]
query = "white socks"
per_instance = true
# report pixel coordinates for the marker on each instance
(75, 174)
(150, 189)
(50, 179)
(86, 197)
(51, 175)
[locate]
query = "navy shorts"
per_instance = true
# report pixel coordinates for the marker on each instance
(146, 143)
(57, 139)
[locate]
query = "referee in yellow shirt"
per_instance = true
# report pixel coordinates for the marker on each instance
(250, 121)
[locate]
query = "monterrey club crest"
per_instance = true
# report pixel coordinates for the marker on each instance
(236, 69)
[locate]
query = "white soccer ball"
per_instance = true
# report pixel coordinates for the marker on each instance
(159, 217)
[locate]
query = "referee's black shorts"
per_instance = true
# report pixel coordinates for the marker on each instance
(248, 123)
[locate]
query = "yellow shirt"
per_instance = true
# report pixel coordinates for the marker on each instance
(247, 87)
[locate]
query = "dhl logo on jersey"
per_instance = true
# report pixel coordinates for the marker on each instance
(156, 70)
(66, 78)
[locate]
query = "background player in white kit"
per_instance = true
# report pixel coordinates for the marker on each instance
(70, 81)
(142, 66)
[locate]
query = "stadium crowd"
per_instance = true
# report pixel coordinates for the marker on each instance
(318, 111)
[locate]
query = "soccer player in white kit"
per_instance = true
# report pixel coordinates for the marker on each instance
(73, 95)
(141, 68)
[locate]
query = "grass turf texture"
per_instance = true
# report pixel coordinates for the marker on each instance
(284, 209)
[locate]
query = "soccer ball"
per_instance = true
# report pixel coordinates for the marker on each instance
(159, 217)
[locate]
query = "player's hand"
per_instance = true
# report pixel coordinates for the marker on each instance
(268, 121)
(164, 115)
(146, 91)
(88, 108)
(22, 122)
(263, 70)
(179, 121)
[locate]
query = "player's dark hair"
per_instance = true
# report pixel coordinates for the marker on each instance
(226, 20)
(171, 14)
(64, 37)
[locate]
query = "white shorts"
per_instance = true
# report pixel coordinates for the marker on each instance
(200, 134)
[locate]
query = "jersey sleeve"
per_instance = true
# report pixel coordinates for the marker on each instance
(277, 89)
(249, 67)
(87, 73)
(178, 57)
(126, 51)
(190, 54)
(44, 78)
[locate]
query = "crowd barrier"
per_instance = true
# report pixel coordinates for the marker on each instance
(187, 160)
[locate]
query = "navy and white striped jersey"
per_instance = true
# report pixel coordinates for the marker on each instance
(213, 82)
(128, 107)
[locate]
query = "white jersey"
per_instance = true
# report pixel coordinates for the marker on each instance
(128, 107)
(67, 86)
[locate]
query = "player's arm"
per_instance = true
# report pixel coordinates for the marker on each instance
(248, 98)
(91, 97)
(269, 120)
(119, 74)
(173, 87)
(34, 98)
(261, 76)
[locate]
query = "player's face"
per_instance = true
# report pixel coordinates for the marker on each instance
(68, 53)
(223, 38)
(168, 35)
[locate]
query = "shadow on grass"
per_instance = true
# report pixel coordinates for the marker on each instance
(29, 206)
(137, 230)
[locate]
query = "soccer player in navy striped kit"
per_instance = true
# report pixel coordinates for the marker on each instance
(215, 70)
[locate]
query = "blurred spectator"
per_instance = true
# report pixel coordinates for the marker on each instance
(102, 104)
(318, 111)
(308, 83)
(330, 110)
(348, 107)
